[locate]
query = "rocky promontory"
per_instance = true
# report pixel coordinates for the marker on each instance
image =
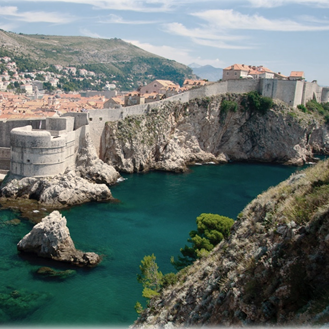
(175, 135)
(273, 270)
(51, 239)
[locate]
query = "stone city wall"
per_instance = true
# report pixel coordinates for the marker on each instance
(75, 125)
(40, 153)
(7, 125)
(4, 158)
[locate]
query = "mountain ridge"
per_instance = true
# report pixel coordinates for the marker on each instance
(113, 56)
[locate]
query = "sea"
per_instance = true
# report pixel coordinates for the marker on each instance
(153, 214)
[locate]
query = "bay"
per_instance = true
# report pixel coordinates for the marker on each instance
(155, 213)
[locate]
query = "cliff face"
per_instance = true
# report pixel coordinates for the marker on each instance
(273, 269)
(177, 134)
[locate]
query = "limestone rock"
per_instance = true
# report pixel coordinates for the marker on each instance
(177, 135)
(49, 273)
(89, 166)
(51, 239)
(59, 191)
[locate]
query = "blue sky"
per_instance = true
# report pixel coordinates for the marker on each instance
(283, 35)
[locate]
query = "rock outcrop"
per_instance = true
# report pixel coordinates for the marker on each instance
(176, 135)
(58, 191)
(273, 269)
(51, 239)
(89, 166)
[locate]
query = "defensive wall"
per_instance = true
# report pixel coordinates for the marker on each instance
(52, 151)
(42, 153)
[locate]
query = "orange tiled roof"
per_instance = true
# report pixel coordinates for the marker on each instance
(240, 67)
(297, 74)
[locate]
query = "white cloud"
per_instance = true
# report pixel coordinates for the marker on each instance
(232, 20)
(133, 5)
(206, 36)
(115, 19)
(35, 16)
(205, 32)
(87, 33)
(179, 55)
(8, 27)
(278, 3)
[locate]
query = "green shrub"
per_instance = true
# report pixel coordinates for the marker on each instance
(228, 106)
(256, 103)
(169, 279)
(326, 118)
(314, 106)
(302, 108)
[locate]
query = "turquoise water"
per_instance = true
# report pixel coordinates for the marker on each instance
(155, 213)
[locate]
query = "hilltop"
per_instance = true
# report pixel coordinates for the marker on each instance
(113, 58)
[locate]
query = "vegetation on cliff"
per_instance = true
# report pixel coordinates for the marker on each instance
(273, 269)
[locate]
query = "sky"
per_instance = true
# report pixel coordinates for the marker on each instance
(282, 35)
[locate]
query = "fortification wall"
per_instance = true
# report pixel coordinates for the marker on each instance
(80, 119)
(4, 158)
(44, 153)
(325, 95)
(7, 125)
(36, 153)
(312, 90)
(285, 90)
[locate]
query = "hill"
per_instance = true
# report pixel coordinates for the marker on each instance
(114, 59)
(208, 72)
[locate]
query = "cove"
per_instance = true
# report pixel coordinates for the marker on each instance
(155, 214)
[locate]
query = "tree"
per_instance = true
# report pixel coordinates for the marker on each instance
(47, 86)
(150, 277)
(211, 229)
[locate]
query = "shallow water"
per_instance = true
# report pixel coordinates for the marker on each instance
(155, 214)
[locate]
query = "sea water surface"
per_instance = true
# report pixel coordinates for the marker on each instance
(154, 216)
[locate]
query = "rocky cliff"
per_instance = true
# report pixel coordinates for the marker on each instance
(51, 239)
(272, 270)
(175, 135)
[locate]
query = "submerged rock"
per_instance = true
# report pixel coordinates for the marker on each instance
(48, 272)
(17, 304)
(51, 239)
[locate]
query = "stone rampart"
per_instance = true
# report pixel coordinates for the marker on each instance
(4, 158)
(42, 153)
(7, 125)
(325, 95)
(36, 153)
